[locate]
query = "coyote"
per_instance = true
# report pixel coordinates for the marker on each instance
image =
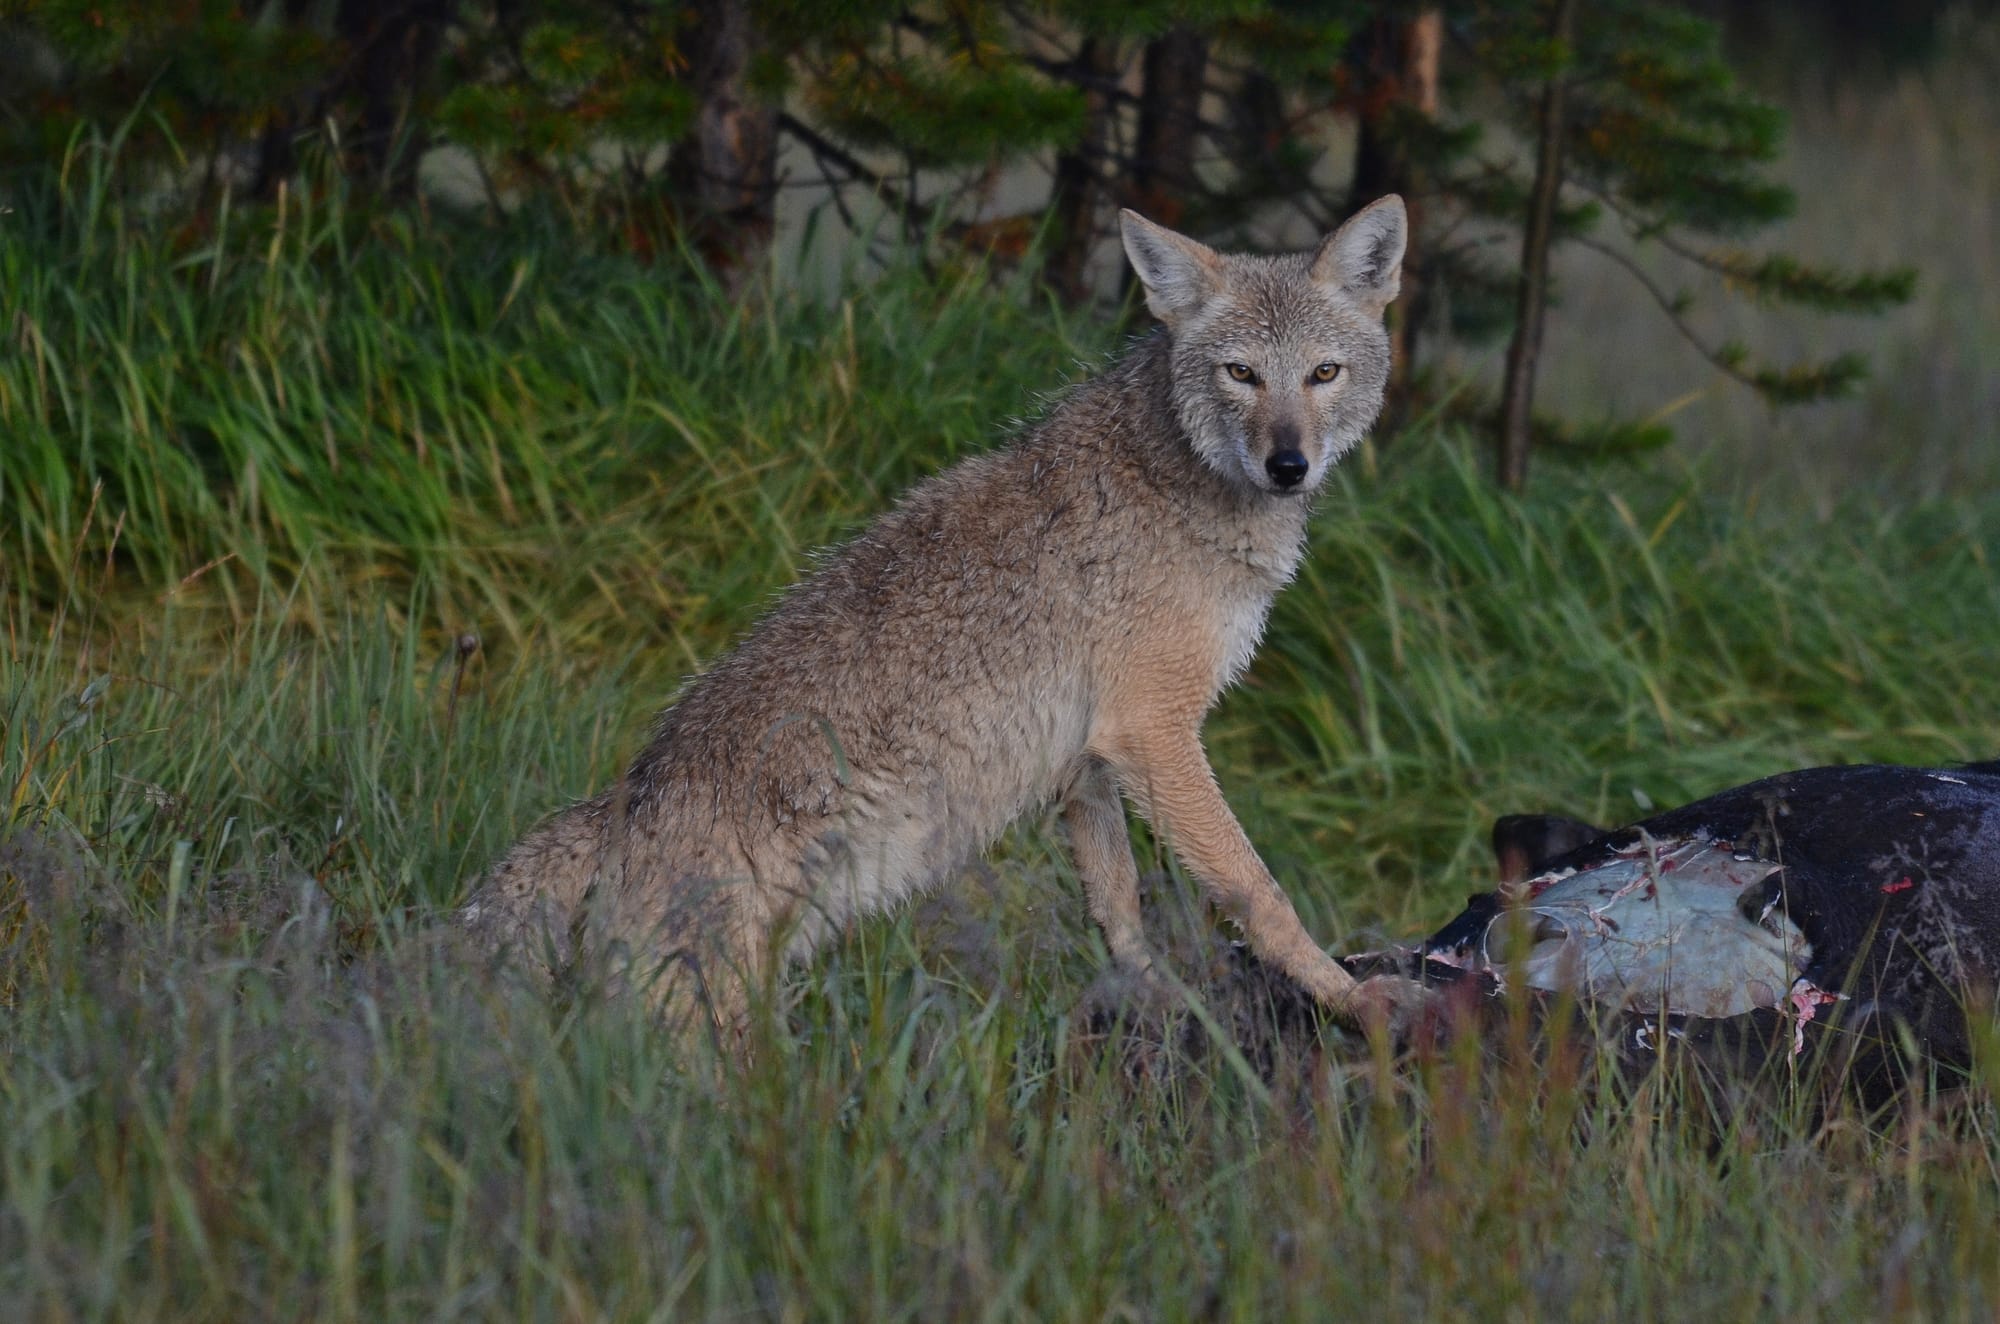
(1048, 623)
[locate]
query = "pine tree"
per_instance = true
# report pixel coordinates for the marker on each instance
(215, 94)
(1524, 350)
(1638, 121)
(1390, 79)
(954, 92)
(571, 101)
(191, 92)
(662, 115)
(722, 169)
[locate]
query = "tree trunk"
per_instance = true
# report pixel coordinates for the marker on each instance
(1398, 59)
(1517, 398)
(1081, 171)
(722, 171)
(1257, 129)
(276, 159)
(393, 45)
(1175, 74)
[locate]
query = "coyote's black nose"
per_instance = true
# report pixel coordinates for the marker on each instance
(1287, 468)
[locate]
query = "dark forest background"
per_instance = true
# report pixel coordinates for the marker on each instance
(1650, 138)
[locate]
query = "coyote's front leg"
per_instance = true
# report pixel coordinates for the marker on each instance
(1167, 776)
(1100, 845)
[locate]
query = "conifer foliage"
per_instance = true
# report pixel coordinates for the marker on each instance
(1614, 125)
(1641, 127)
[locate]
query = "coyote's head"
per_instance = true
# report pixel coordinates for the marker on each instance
(1278, 362)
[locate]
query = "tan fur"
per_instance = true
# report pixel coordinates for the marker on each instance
(1049, 622)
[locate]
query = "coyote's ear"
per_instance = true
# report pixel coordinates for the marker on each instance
(1364, 258)
(1178, 273)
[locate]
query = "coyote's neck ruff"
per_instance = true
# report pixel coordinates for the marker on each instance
(1047, 622)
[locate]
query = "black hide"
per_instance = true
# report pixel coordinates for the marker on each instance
(1891, 873)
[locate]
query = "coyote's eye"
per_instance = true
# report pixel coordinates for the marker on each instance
(1239, 372)
(1326, 372)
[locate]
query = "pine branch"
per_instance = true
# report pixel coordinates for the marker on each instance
(1774, 275)
(826, 150)
(1798, 384)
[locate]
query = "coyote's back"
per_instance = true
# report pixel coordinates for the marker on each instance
(1048, 622)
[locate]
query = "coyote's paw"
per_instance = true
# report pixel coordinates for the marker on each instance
(1404, 1010)
(1136, 994)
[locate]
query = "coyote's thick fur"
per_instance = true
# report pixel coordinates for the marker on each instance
(1046, 623)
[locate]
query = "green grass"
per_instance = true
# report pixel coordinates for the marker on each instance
(242, 1074)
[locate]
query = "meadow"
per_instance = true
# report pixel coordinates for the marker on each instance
(335, 548)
